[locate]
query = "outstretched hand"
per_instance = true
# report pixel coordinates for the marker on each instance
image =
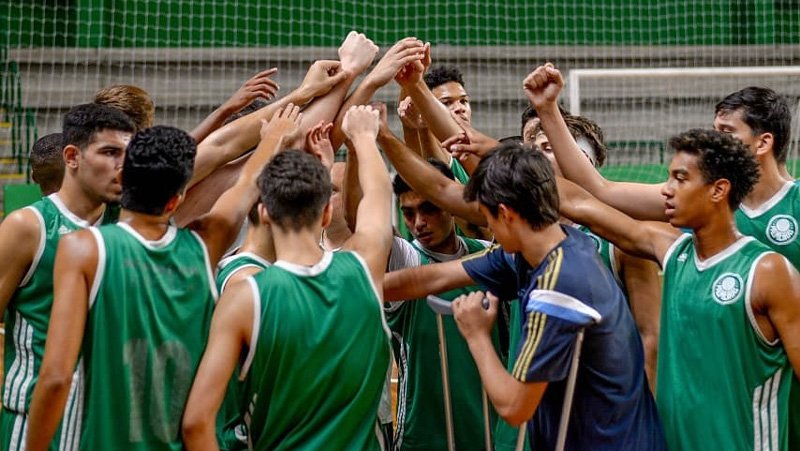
(361, 121)
(405, 51)
(283, 125)
(321, 77)
(318, 143)
(409, 115)
(411, 73)
(543, 85)
(356, 53)
(261, 85)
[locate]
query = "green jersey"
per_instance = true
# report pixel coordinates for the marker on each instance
(774, 223)
(732, 400)
(420, 402)
(607, 253)
(150, 308)
(318, 356)
(231, 432)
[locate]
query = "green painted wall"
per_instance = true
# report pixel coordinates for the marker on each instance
(243, 23)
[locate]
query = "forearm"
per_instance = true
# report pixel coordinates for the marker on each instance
(202, 435)
(504, 391)
(433, 112)
(47, 408)
(360, 96)
(374, 182)
(431, 147)
(428, 182)
(211, 123)
(420, 281)
(413, 139)
(351, 190)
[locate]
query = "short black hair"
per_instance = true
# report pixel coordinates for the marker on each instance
(443, 74)
(399, 186)
(720, 156)
(83, 121)
(764, 111)
(158, 164)
(295, 188)
(252, 107)
(519, 178)
(47, 162)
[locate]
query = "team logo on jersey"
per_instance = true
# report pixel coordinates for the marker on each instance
(63, 230)
(782, 229)
(727, 288)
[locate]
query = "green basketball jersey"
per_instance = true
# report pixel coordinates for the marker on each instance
(721, 385)
(28, 313)
(318, 356)
(231, 433)
(459, 172)
(775, 224)
(150, 310)
(420, 403)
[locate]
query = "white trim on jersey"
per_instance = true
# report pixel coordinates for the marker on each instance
(671, 249)
(748, 302)
(73, 413)
(21, 373)
(771, 202)
(19, 433)
(39, 249)
(209, 269)
(153, 245)
(402, 391)
(82, 223)
(227, 278)
(721, 255)
(378, 296)
(101, 265)
(564, 306)
(256, 295)
(307, 271)
(402, 255)
(232, 258)
(765, 414)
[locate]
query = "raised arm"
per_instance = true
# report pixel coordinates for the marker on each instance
(231, 329)
(641, 201)
(436, 115)
(372, 237)
(218, 228)
(261, 85)
(426, 181)
(74, 272)
(241, 135)
(643, 239)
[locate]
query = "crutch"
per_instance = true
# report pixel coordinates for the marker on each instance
(442, 307)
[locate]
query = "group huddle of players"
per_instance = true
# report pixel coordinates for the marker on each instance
(241, 286)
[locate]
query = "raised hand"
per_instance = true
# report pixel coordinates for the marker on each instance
(403, 52)
(321, 77)
(318, 143)
(361, 121)
(356, 53)
(543, 85)
(409, 115)
(261, 85)
(283, 125)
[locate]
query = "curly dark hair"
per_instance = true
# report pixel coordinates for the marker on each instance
(764, 111)
(295, 188)
(720, 156)
(582, 127)
(443, 74)
(47, 162)
(531, 113)
(519, 178)
(83, 121)
(158, 164)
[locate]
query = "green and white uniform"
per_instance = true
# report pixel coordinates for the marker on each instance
(318, 356)
(732, 400)
(150, 309)
(607, 253)
(26, 320)
(420, 402)
(231, 432)
(775, 223)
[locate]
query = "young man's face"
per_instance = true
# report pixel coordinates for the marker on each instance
(429, 224)
(100, 165)
(499, 229)
(686, 192)
(455, 98)
(732, 123)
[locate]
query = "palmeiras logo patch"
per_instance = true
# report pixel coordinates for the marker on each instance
(727, 288)
(782, 229)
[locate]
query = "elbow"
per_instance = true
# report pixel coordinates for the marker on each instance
(514, 414)
(193, 428)
(54, 380)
